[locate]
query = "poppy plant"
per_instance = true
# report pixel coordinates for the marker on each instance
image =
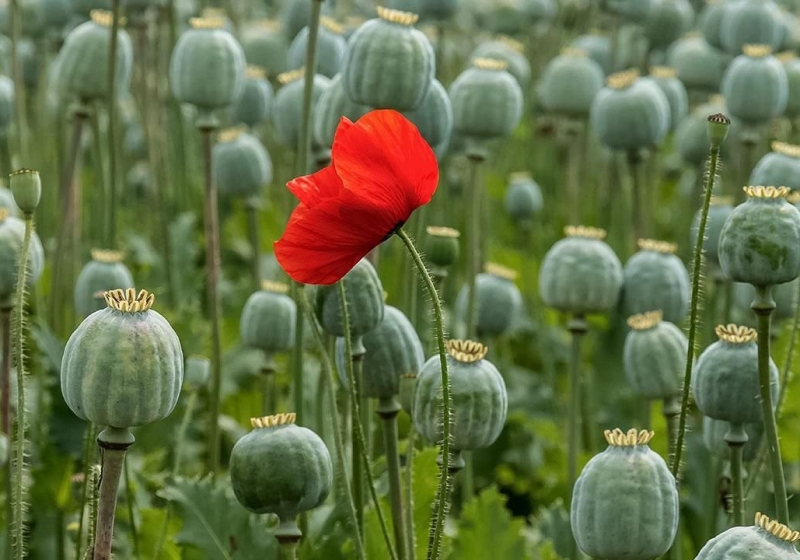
(382, 169)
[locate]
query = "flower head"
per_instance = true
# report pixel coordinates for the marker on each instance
(382, 170)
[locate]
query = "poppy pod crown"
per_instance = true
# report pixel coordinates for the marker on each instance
(254, 72)
(645, 321)
(766, 192)
(128, 301)
(105, 18)
(736, 334)
(585, 231)
(658, 246)
(466, 351)
(786, 149)
(208, 22)
(397, 16)
(106, 255)
(631, 438)
(331, 25)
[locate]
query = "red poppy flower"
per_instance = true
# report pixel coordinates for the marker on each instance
(381, 171)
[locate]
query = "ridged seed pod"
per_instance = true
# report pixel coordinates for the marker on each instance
(755, 86)
(268, 320)
(656, 279)
(700, 67)
(441, 248)
(265, 46)
(12, 232)
(498, 300)
(333, 104)
(760, 241)
(295, 15)
(714, 439)
(581, 274)
(597, 47)
(331, 48)
(570, 83)
(667, 21)
(242, 166)
(725, 379)
(389, 63)
(288, 108)
(625, 502)
(751, 22)
(512, 52)
(434, 118)
(792, 66)
(123, 365)
(654, 356)
(765, 540)
(104, 273)
(254, 105)
(780, 167)
(718, 212)
(523, 200)
(478, 392)
(709, 21)
(675, 92)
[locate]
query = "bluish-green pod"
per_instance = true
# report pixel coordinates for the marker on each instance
(268, 319)
(780, 167)
(667, 21)
(393, 350)
(427, 9)
(333, 104)
(287, 112)
(12, 233)
(207, 68)
(389, 63)
(630, 113)
(691, 137)
(714, 439)
(656, 279)
(434, 118)
(478, 393)
(625, 502)
(486, 100)
(515, 17)
(792, 66)
(725, 380)
(254, 105)
(709, 21)
(265, 45)
(104, 273)
(598, 47)
(718, 213)
(498, 301)
(570, 83)
(241, 164)
(766, 540)
(667, 79)
(295, 15)
(581, 274)
(281, 468)
(123, 365)
(6, 104)
(755, 86)
(523, 200)
(364, 302)
(751, 22)
(700, 67)
(510, 50)
(331, 48)
(654, 356)
(83, 60)
(760, 241)
(632, 10)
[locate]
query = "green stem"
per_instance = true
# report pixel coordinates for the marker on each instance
(112, 125)
(763, 305)
(474, 252)
(130, 500)
(635, 164)
(114, 443)
(574, 157)
(214, 305)
(672, 411)
(288, 550)
(269, 401)
(409, 495)
(388, 410)
(577, 328)
(356, 450)
(443, 496)
(100, 182)
(737, 439)
(351, 378)
(88, 453)
(697, 267)
(14, 20)
(297, 354)
(5, 319)
(5, 154)
(255, 241)
(61, 552)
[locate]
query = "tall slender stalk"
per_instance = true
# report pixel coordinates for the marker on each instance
(112, 125)
(89, 446)
(14, 20)
(575, 155)
(737, 439)
(409, 495)
(114, 444)
(637, 195)
(388, 410)
(95, 234)
(442, 503)
(251, 208)
(474, 235)
(358, 445)
(5, 319)
(763, 305)
(577, 327)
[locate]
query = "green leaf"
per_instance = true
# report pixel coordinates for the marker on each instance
(215, 523)
(150, 534)
(426, 484)
(487, 530)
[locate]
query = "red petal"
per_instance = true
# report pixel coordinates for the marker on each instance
(385, 161)
(313, 189)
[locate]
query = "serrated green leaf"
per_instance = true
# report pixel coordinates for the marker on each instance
(151, 531)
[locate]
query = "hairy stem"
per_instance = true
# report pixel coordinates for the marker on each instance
(89, 446)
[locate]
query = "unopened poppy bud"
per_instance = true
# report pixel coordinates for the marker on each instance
(27, 188)
(442, 246)
(718, 125)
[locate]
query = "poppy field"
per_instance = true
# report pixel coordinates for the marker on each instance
(399, 280)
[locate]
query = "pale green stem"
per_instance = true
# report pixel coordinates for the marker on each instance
(387, 410)
(577, 328)
(89, 445)
(255, 242)
(737, 439)
(14, 20)
(474, 252)
(409, 495)
(112, 126)
(114, 443)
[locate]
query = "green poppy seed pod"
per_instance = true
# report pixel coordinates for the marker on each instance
(598, 48)
(700, 67)
(751, 22)
(268, 320)
(281, 468)
(760, 241)
(667, 79)
(6, 104)
(389, 63)
(718, 212)
(295, 15)
(784, 295)
(523, 200)
(104, 273)
(207, 68)
(7, 202)
(512, 52)
(83, 59)
(792, 66)
(27, 188)
(486, 100)
(254, 105)
(123, 365)
(755, 86)
(632, 10)
(478, 392)
(434, 118)
(781, 166)
(364, 302)
(655, 278)
(709, 21)
(264, 45)
(498, 300)
(331, 48)
(714, 439)
(393, 350)
(630, 113)
(718, 126)
(580, 274)
(333, 104)
(611, 493)
(725, 378)
(570, 83)
(654, 356)
(766, 540)
(442, 248)
(198, 372)
(241, 164)
(667, 21)
(427, 9)
(691, 137)
(12, 233)
(287, 111)
(408, 384)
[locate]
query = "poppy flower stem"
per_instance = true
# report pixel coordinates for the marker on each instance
(443, 499)
(357, 428)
